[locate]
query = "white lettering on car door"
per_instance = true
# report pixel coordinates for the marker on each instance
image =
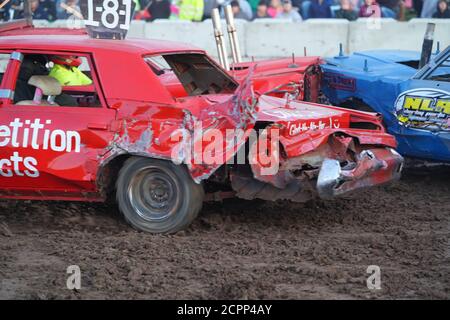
(37, 135)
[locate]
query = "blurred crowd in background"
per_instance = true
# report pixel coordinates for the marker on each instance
(199, 10)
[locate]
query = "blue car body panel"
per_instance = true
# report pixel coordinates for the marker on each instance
(415, 109)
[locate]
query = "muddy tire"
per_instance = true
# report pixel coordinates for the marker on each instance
(157, 196)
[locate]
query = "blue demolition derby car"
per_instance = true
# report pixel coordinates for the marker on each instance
(414, 102)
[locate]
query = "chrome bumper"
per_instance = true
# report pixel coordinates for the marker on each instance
(373, 167)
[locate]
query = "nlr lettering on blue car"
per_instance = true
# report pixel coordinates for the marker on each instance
(427, 109)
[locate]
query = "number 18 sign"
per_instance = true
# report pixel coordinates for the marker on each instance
(107, 19)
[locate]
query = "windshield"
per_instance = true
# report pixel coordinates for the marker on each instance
(441, 72)
(195, 72)
(438, 69)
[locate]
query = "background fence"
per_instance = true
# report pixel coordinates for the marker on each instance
(275, 38)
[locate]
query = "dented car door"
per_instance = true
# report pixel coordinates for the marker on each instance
(50, 150)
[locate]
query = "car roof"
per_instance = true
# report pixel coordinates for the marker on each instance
(379, 63)
(390, 56)
(117, 61)
(78, 40)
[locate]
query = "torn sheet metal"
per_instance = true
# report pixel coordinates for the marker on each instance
(178, 133)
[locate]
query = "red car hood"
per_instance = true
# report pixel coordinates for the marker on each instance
(276, 66)
(266, 74)
(279, 76)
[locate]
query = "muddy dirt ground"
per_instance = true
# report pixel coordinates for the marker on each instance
(236, 250)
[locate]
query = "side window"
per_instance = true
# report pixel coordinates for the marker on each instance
(4, 59)
(441, 72)
(56, 80)
(196, 72)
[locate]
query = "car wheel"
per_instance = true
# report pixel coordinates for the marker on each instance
(157, 196)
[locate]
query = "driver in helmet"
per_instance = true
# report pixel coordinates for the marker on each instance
(65, 70)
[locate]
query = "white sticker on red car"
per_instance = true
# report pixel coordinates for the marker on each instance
(300, 127)
(33, 134)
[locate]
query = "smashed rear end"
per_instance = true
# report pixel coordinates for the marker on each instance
(236, 141)
(316, 151)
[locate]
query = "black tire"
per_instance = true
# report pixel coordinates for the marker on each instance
(157, 196)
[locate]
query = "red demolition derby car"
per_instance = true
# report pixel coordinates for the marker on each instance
(163, 149)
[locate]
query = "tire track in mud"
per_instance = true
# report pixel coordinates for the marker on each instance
(238, 249)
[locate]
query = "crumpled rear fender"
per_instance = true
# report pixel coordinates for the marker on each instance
(238, 115)
(311, 140)
(169, 132)
(324, 163)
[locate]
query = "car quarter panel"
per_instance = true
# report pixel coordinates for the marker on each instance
(126, 76)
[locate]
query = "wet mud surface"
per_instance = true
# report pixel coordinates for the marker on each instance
(238, 250)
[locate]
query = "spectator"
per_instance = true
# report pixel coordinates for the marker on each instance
(417, 5)
(254, 5)
(355, 4)
(15, 9)
(346, 11)
(274, 8)
(5, 11)
(304, 6)
(246, 9)
(137, 5)
(442, 10)
(297, 3)
(59, 8)
(289, 12)
(390, 8)
(42, 10)
(191, 10)
(428, 8)
(35, 10)
(261, 10)
(208, 6)
(68, 8)
(159, 9)
(320, 9)
(141, 11)
(237, 12)
(371, 9)
(49, 7)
